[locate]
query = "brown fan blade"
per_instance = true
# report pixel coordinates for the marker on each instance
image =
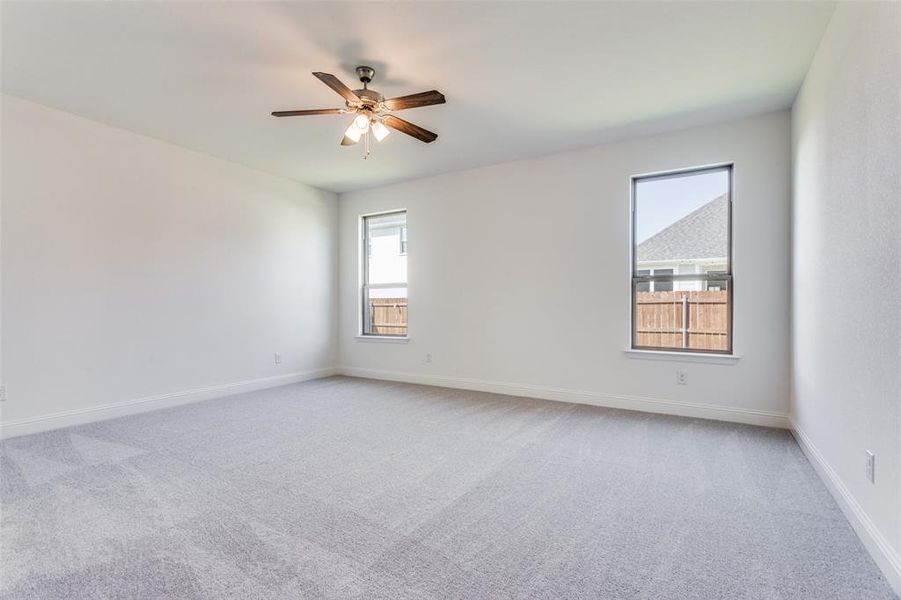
(415, 100)
(409, 128)
(335, 83)
(301, 113)
(346, 141)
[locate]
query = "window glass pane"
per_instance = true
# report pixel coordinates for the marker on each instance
(386, 311)
(681, 229)
(683, 220)
(384, 290)
(676, 320)
(387, 263)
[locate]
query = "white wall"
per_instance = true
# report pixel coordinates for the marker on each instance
(519, 274)
(133, 269)
(846, 304)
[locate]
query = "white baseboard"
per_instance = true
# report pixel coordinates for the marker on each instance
(79, 416)
(883, 554)
(644, 404)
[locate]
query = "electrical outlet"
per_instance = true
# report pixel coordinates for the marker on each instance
(428, 357)
(871, 466)
(278, 358)
(2, 393)
(681, 377)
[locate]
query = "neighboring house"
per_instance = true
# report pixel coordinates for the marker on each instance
(387, 254)
(695, 244)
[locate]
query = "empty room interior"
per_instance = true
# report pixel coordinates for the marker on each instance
(461, 300)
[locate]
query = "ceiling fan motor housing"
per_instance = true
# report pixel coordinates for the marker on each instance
(369, 98)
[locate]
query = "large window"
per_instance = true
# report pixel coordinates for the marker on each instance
(682, 261)
(384, 289)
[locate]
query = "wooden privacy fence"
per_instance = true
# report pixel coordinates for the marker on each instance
(698, 320)
(388, 316)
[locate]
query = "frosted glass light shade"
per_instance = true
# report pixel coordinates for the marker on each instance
(379, 130)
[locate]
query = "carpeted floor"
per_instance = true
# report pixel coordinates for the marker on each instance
(348, 488)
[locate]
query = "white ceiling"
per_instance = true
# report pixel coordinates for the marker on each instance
(521, 79)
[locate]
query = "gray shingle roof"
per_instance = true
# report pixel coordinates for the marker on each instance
(699, 234)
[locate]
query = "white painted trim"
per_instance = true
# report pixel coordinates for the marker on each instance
(888, 560)
(391, 339)
(78, 416)
(750, 416)
(693, 357)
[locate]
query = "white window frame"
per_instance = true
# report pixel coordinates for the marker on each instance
(364, 286)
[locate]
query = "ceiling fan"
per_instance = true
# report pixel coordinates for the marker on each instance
(372, 110)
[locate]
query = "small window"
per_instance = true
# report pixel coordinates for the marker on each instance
(717, 280)
(682, 261)
(384, 269)
(644, 285)
(656, 285)
(662, 285)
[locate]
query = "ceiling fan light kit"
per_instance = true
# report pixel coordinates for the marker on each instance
(372, 111)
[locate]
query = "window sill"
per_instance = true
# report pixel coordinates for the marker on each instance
(390, 339)
(694, 357)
